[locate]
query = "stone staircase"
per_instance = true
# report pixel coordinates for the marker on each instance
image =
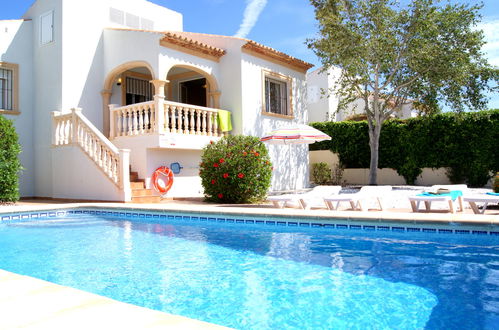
(139, 192)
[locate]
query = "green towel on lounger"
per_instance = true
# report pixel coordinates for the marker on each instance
(224, 123)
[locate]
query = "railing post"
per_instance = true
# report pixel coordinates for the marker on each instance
(112, 121)
(124, 172)
(55, 137)
(159, 101)
(74, 125)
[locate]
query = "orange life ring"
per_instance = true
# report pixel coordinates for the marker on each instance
(162, 179)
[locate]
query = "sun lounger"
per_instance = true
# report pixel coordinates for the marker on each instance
(455, 194)
(305, 200)
(485, 199)
(357, 200)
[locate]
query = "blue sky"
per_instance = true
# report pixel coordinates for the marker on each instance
(280, 24)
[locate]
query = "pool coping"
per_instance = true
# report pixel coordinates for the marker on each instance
(315, 214)
(31, 303)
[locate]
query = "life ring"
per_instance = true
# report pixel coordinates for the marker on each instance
(162, 180)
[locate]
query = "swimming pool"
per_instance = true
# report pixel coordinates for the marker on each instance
(262, 273)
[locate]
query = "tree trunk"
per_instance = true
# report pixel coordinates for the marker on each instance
(374, 133)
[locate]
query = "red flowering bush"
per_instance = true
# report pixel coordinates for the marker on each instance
(236, 169)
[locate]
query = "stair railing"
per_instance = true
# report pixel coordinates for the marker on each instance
(74, 128)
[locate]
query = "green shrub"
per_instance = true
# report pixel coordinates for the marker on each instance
(321, 173)
(9, 162)
(465, 143)
(496, 183)
(236, 169)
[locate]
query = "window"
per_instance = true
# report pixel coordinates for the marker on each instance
(277, 95)
(138, 90)
(47, 28)
(8, 87)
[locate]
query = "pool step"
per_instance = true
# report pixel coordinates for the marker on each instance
(139, 192)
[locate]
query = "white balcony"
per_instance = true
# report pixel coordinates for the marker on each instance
(175, 125)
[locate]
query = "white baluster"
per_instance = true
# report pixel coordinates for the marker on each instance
(152, 119)
(173, 130)
(166, 109)
(180, 119)
(199, 116)
(192, 125)
(129, 115)
(141, 112)
(119, 118)
(215, 124)
(135, 123)
(147, 114)
(203, 126)
(209, 124)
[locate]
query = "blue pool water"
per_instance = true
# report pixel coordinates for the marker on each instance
(267, 277)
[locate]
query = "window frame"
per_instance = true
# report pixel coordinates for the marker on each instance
(15, 88)
(288, 81)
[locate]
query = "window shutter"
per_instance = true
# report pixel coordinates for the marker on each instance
(47, 28)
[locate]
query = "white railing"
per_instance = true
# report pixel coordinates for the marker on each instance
(180, 118)
(190, 119)
(130, 120)
(75, 129)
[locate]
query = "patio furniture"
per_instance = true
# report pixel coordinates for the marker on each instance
(455, 194)
(357, 200)
(485, 199)
(305, 200)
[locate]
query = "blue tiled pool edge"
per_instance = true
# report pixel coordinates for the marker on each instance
(259, 219)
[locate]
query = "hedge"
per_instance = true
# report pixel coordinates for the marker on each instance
(9, 162)
(466, 143)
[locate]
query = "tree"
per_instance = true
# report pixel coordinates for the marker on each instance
(391, 54)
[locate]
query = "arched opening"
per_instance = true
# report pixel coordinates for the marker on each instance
(191, 85)
(126, 84)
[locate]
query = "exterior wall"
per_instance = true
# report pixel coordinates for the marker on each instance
(145, 161)
(16, 46)
(78, 177)
(69, 72)
(320, 106)
(47, 86)
(185, 184)
(325, 108)
(229, 76)
(290, 161)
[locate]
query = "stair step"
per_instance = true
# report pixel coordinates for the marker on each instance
(142, 192)
(134, 177)
(137, 185)
(146, 199)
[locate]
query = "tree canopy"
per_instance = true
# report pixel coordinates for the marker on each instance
(392, 53)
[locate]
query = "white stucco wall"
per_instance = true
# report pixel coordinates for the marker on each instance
(324, 107)
(290, 162)
(16, 46)
(321, 102)
(78, 177)
(47, 82)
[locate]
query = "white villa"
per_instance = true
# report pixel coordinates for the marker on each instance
(325, 108)
(102, 92)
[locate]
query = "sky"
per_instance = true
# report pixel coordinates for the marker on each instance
(281, 24)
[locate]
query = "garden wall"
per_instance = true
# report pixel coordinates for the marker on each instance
(386, 176)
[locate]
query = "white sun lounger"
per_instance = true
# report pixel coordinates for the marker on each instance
(357, 200)
(485, 199)
(305, 200)
(427, 200)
